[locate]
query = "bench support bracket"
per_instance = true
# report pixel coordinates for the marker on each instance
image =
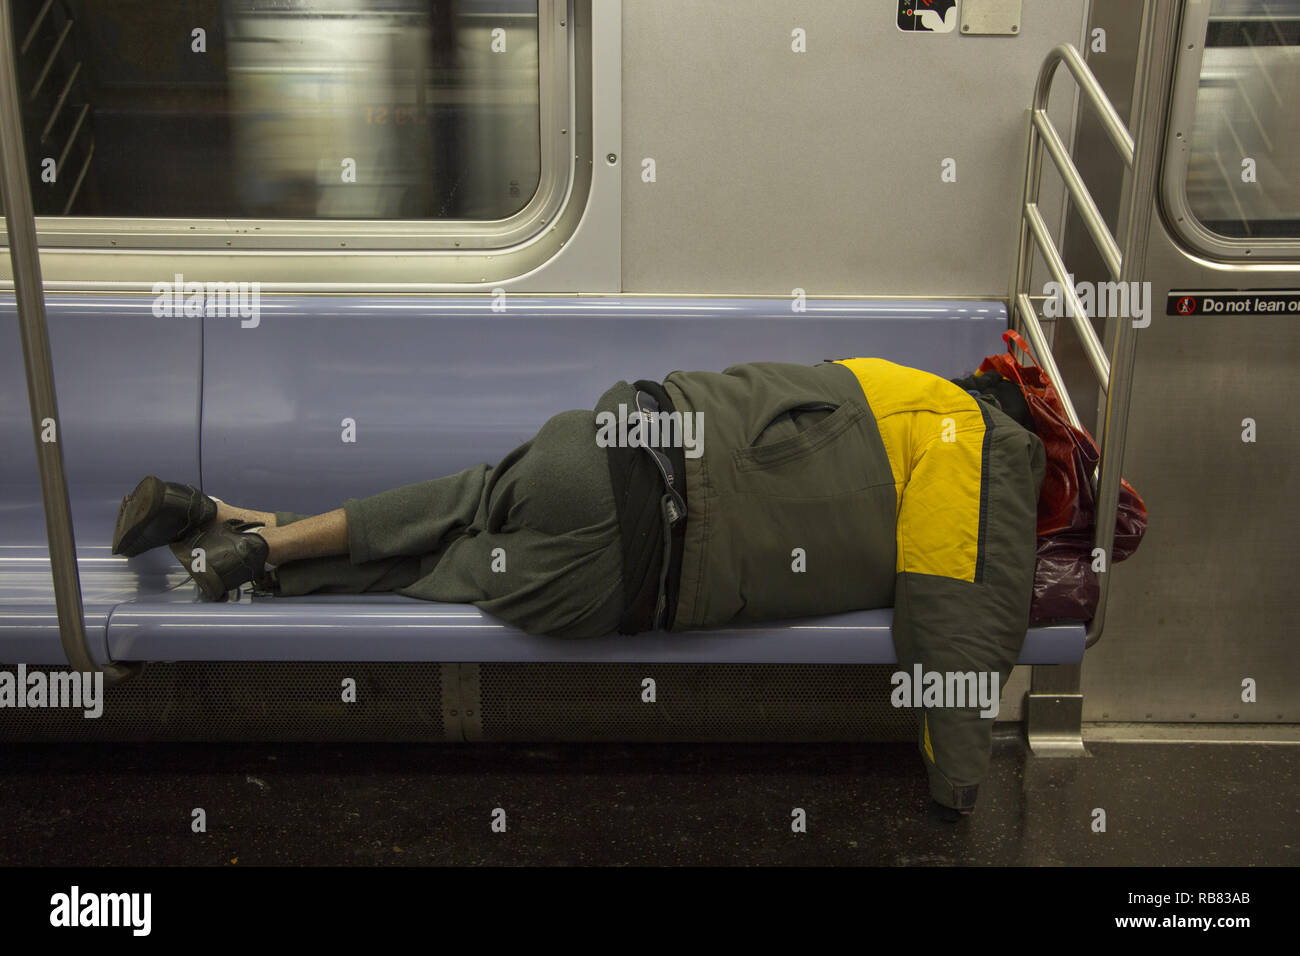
(1054, 712)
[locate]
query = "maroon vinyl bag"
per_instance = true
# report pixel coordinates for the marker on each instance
(1065, 586)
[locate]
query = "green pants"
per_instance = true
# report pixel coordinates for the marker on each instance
(533, 540)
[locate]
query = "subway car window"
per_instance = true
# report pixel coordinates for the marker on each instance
(1243, 175)
(280, 109)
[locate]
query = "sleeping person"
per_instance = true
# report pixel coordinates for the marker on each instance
(767, 491)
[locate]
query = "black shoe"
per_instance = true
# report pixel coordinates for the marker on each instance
(233, 554)
(160, 512)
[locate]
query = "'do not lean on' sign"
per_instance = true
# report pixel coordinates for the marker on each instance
(1233, 302)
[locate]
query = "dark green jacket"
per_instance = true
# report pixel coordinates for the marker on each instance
(862, 484)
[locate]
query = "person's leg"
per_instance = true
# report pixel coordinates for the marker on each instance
(421, 518)
(338, 575)
(227, 511)
(408, 521)
(370, 544)
(533, 540)
(306, 536)
(320, 536)
(543, 552)
(321, 552)
(310, 554)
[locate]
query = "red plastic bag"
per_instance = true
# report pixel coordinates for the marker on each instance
(1065, 585)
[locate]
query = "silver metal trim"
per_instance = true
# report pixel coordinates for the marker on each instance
(1110, 120)
(1053, 712)
(578, 249)
(1228, 252)
(1053, 724)
(1191, 733)
(991, 18)
(465, 237)
(1087, 206)
(15, 191)
(1074, 306)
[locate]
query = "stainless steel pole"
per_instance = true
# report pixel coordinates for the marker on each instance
(1151, 92)
(28, 291)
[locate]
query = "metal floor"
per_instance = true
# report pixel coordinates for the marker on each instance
(650, 804)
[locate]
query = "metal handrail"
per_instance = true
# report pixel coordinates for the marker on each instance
(1101, 237)
(1042, 133)
(1114, 375)
(41, 398)
(1091, 344)
(1066, 53)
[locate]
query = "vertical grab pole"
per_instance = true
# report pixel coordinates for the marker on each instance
(30, 298)
(1151, 92)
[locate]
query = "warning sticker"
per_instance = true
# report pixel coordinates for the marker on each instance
(1233, 302)
(927, 16)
